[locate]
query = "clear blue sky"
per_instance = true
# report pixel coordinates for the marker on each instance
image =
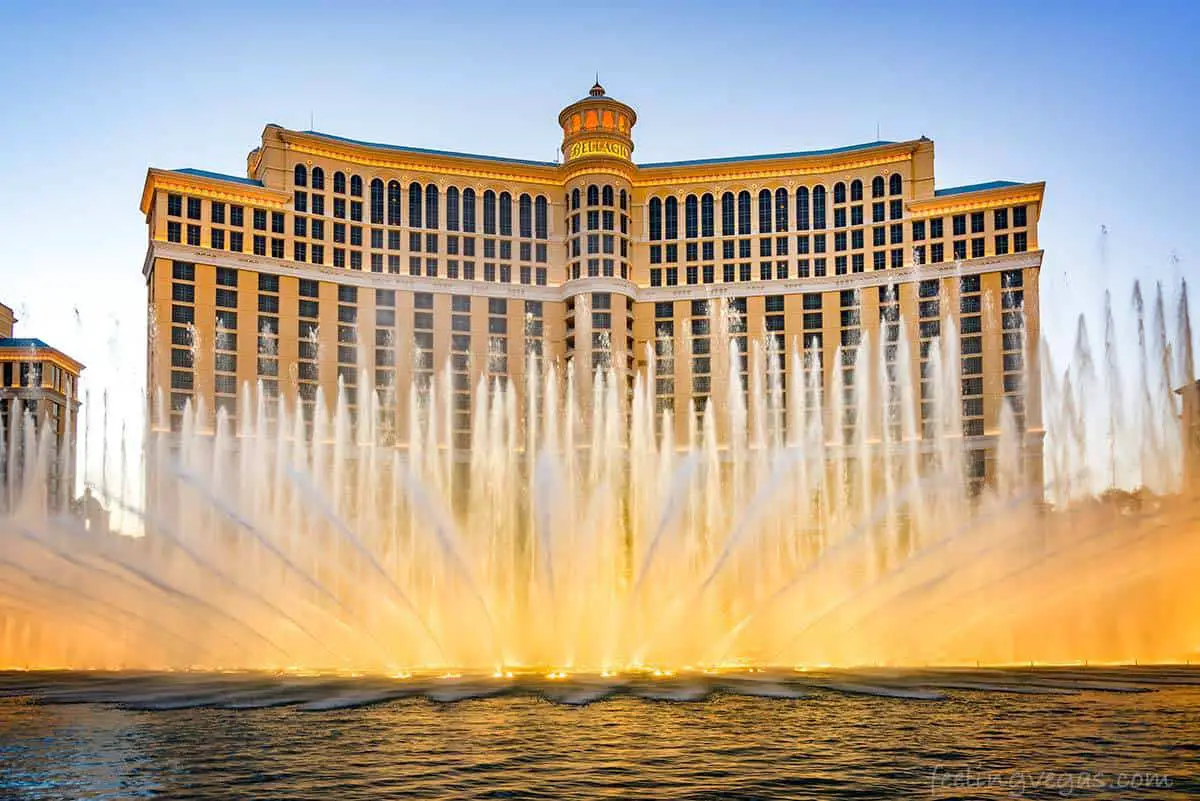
(1100, 99)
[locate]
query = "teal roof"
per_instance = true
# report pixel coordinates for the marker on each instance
(219, 176)
(962, 190)
(424, 151)
(22, 342)
(767, 156)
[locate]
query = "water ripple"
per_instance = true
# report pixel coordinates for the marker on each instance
(778, 735)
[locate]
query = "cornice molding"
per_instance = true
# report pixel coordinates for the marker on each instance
(720, 171)
(214, 188)
(560, 292)
(47, 353)
(982, 199)
(460, 166)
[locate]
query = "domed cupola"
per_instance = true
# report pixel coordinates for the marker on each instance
(597, 127)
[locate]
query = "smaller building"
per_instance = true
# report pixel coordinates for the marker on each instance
(39, 386)
(1190, 430)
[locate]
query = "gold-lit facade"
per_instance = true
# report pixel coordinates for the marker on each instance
(336, 259)
(39, 404)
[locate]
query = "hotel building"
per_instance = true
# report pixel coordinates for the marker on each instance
(334, 258)
(38, 384)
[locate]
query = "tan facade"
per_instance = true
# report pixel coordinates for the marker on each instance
(39, 385)
(339, 260)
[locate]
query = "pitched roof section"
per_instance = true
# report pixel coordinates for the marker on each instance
(217, 176)
(424, 151)
(962, 190)
(832, 151)
(22, 342)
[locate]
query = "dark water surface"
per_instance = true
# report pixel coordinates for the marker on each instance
(1042, 733)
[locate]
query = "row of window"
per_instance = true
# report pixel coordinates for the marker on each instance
(773, 211)
(424, 210)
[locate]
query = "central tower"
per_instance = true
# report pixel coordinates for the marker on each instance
(597, 127)
(598, 178)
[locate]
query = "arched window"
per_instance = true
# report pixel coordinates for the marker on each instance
(624, 201)
(655, 219)
(505, 214)
(743, 213)
(855, 190)
(574, 198)
(541, 216)
(489, 212)
(818, 202)
(355, 186)
(300, 176)
(839, 192)
(691, 217)
(606, 195)
(431, 206)
(394, 202)
(318, 178)
(672, 218)
(877, 186)
(452, 208)
(894, 184)
(764, 211)
(593, 196)
(469, 210)
(802, 209)
(414, 205)
(339, 182)
(781, 209)
(525, 216)
(377, 201)
(727, 214)
(706, 215)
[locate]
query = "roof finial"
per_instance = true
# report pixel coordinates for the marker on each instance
(597, 89)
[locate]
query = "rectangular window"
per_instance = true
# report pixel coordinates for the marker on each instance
(217, 213)
(1020, 242)
(1000, 219)
(977, 222)
(193, 205)
(175, 205)
(1019, 215)
(1001, 244)
(977, 246)
(174, 231)
(193, 235)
